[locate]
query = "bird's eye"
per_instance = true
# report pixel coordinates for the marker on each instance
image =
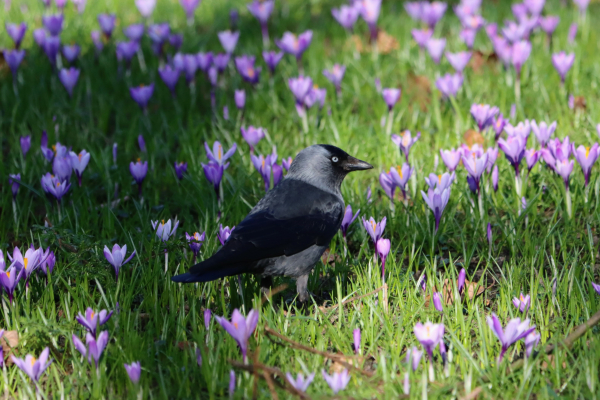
(334, 159)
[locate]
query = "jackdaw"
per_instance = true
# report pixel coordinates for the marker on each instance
(289, 229)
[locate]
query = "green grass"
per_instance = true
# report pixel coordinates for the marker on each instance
(160, 323)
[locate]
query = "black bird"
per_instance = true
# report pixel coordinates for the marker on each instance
(286, 233)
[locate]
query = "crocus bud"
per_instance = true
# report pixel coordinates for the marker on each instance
(207, 315)
(356, 335)
(437, 301)
(495, 178)
(489, 233)
(462, 275)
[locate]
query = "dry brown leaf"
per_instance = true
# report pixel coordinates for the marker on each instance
(579, 103)
(471, 290)
(472, 137)
(329, 258)
(418, 90)
(480, 60)
(386, 43)
(183, 345)
(545, 364)
(339, 367)
(9, 340)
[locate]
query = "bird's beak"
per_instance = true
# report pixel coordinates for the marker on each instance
(354, 164)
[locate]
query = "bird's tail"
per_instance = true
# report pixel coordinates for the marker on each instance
(206, 272)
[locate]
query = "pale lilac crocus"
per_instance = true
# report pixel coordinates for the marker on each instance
(475, 166)
(348, 219)
(562, 63)
(33, 367)
(531, 341)
(79, 163)
(543, 131)
(467, 35)
(91, 319)
(346, 15)
(337, 381)
(272, 59)
(429, 335)
(240, 328)
(459, 60)
(421, 36)
(437, 301)
(548, 24)
(218, 153)
(139, 170)
(387, 184)
(116, 257)
(247, 70)
(9, 279)
(440, 182)
(564, 169)
(596, 287)
(520, 53)
(134, 32)
(189, 7)
(436, 200)
(356, 339)
(451, 158)
(582, 5)
(300, 383)
(586, 157)
(522, 303)
(431, 13)
(107, 24)
(146, 8)
(514, 150)
(228, 40)
(14, 58)
(414, 9)
(531, 158)
(295, 45)
(435, 48)
(170, 76)
(383, 249)
(207, 315)
(164, 230)
(405, 141)
(462, 276)
(240, 99)
(369, 11)
(54, 186)
(16, 32)
(335, 76)
(515, 330)
(142, 94)
(71, 52)
(214, 174)
(374, 229)
(94, 346)
(69, 78)
(484, 115)
(495, 178)
(262, 12)
(252, 136)
(391, 97)
(400, 176)
(449, 84)
(53, 23)
(224, 233)
(134, 370)
(572, 33)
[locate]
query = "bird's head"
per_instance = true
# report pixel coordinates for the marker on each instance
(325, 166)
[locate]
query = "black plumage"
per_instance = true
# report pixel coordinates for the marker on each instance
(286, 233)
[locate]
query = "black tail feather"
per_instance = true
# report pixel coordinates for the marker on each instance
(204, 273)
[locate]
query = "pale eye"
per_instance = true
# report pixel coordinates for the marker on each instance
(334, 159)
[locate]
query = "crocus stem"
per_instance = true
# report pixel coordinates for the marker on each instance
(265, 35)
(518, 88)
(431, 370)
(141, 61)
(390, 119)
(569, 204)
(166, 261)
(14, 205)
(304, 121)
(480, 202)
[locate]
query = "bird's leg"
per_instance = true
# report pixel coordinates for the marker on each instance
(302, 288)
(266, 282)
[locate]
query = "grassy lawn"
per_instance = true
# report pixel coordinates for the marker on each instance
(542, 244)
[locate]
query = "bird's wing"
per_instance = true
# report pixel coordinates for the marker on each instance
(290, 220)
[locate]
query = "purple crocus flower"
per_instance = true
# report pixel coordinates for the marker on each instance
(346, 15)
(240, 99)
(531, 341)
(391, 96)
(475, 166)
(163, 230)
(586, 157)
(116, 257)
(91, 320)
(126, 51)
(189, 7)
(272, 58)
(71, 52)
(55, 187)
(560, 150)
(142, 95)
(548, 24)
(449, 84)
(514, 150)
(264, 165)
(142, 143)
(495, 178)
(29, 262)
(596, 287)
(16, 32)
(462, 276)
(180, 169)
(176, 40)
(159, 34)
(522, 129)
(387, 183)
(39, 35)
(139, 170)
(531, 158)
(69, 78)
(459, 61)
(134, 370)
(436, 47)
(562, 63)
(582, 5)
(348, 219)
(34, 368)
(543, 131)
(431, 13)
(94, 346)
(51, 47)
(440, 182)
(195, 242)
(61, 167)
(499, 123)
(374, 229)
(170, 76)
(522, 303)
(492, 155)
(437, 200)
(252, 136)
(335, 76)
(451, 158)
(14, 58)
(213, 173)
(520, 53)
(369, 11)
(14, 180)
(315, 95)
(337, 381)
(218, 155)
(48, 263)
(484, 115)
(414, 9)
(97, 40)
(515, 330)
(220, 61)
(383, 249)
(146, 8)
(107, 24)
(9, 278)
(207, 315)
(300, 383)
(429, 335)
(300, 87)
(400, 176)
(25, 142)
(421, 36)
(79, 162)
(356, 340)
(231, 383)
(224, 233)
(564, 169)
(467, 35)
(247, 70)
(286, 163)
(134, 32)
(437, 301)
(228, 40)
(240, 328)
(53, 23)
(262, 12)
(204, 61)
(535, 7)
(293, 45)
